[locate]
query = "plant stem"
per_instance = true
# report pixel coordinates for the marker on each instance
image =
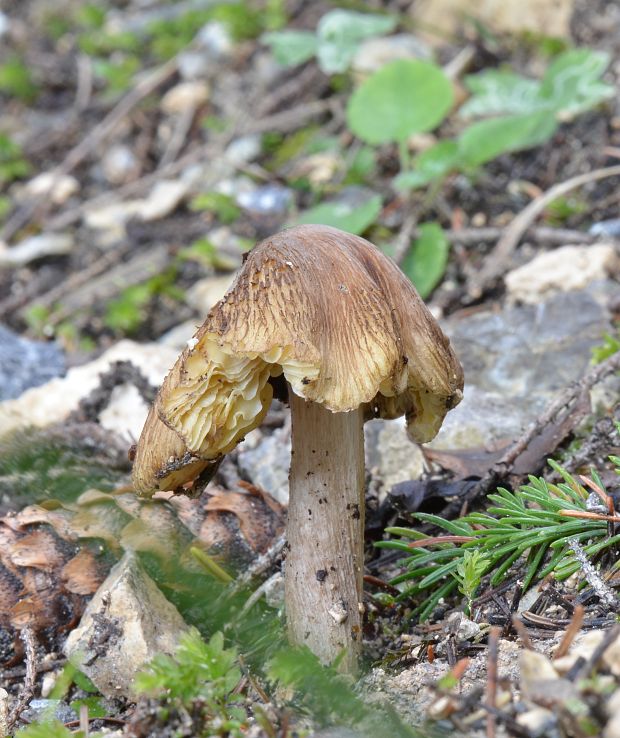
(325, 532)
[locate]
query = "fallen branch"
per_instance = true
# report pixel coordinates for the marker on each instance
(27, 691)
(495, 264)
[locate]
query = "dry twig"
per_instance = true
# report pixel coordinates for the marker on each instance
(496, 261)
(491, 690)
(30, 647)
(570, 633)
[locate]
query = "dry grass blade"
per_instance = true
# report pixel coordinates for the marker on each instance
(491, 689)
(570, 633)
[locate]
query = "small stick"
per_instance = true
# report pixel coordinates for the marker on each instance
(603, 592)
(491, 691)
(523, 633)
(496, 260)
(30, 647)
(84, 726)
(570, 633)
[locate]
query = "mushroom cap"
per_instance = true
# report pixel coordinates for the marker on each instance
(331, 313)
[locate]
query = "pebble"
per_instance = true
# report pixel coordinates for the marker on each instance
(135, 621)
(120, 164)
(44, 709)
(267, 199)
(374, 53)
(215, 41)
(185, 96)
(25, 363)
(57, 188)
(112, 217)
(36, 247)
(163, 199)
(203, 295)
(4, 24)
(561, 270)
(244, 149)
(606, 228)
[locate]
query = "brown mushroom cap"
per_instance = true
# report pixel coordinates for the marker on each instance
(330, 312)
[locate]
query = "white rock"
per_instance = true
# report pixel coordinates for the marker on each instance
(612, 729)
(53, 401)
(112, 217)
(243, 150)
(535, 668)
(214, 40)
(184, 96)
(203, 295)
(396, 457)
(374, 53)
(58, 188)
(561, 270)
(177, 337)
(4, 24)
(36, 247)
(163, 199)
(126, 623)
(4, 712)
(119, 164)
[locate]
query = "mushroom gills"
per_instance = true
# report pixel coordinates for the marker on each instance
(224, 395)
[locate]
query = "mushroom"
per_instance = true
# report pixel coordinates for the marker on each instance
(330, 315)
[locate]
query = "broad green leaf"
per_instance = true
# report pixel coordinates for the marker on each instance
(483, 141)
(339, 33)
(498, 91)
(425, 262)
(431, 164)
(291, 47)
(348, 217)
(572, 83)
(404, 97)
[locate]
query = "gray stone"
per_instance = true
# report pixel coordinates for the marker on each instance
(127, 622)
(267, 200)
(36, 247)
(267, 462)
(43, 709)
(375, 53)
(25, 363)
(608, 228)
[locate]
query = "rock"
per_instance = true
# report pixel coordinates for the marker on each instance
(517, 359)
(606, 228)
(244, 150)
(112, 217)
(57, 188)
(36, 247)
(120, 164)
(5, 24)
(535, 668)
(203, 295)
(267, 463)
(163, 199)
(319, 168)
(389, 452)
(25, 363)
(561, 270)
(539, 722)
(270, 199)
(4, 712)
(374, 53)
(466, 629)
(185, 96)
(445, 17)
(126, 623)
(612, 729)
(46, 709)
(177, 337)
(53, 401)
(214, 41)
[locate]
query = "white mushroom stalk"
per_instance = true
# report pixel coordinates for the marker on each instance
(334, 317)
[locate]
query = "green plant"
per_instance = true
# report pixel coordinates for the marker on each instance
(222, 206)
(16, 80)
(610, 346)
(348, 217)
(530, 527)
(426, 260)
(403, 98)
(12, 163)
(338, 35)
(519, 113)
(468, 574)
(201, 676)
(53, 729)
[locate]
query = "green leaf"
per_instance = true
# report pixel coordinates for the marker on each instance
(96, 709)
(425, 262)
(402, 98)
(291, 48)
(571, 83)
(53, 729)
(346, 216)
(498, 91)
(434, 163)
(339, 33)
(15, 80)
(483, 141)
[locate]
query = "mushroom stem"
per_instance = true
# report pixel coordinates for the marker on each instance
(325, 532)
